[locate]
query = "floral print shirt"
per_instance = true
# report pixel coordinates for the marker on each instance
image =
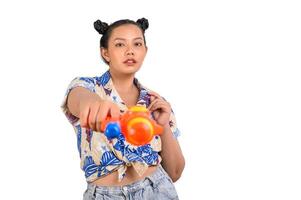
(100, 156)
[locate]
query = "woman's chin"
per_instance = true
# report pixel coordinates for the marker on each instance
(130, 69)
(125, 69)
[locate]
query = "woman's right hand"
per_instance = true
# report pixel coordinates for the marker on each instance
(94, 111)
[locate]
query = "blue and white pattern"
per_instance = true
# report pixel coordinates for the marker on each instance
(99, 155)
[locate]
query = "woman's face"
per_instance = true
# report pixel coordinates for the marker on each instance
(126, 49)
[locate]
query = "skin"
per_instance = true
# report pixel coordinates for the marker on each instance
(127, 42)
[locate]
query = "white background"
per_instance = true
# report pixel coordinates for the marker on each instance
(231, 70)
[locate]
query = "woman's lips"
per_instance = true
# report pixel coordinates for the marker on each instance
(130, 61)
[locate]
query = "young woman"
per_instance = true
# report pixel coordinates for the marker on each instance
(114, 168)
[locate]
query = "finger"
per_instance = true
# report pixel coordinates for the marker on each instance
(103, 111)
(115, 112)
(152, 98)
(156, 96)
(92, 116)
(166, 108)
(164, 104)
(152, 104)
(98, 128)
(152, 93)
(84, 114)
(161, 105)
(101, 116)
(156, 106)
(151, 107)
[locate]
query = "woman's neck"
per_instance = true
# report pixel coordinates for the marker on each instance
(123, 83)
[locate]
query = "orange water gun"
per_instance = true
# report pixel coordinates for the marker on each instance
(136, 125)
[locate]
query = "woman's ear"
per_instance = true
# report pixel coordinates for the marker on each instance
(105, 54)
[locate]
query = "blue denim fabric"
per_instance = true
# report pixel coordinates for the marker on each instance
(157, 186)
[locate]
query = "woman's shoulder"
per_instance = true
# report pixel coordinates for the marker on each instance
(100, 80)
(155, 93)
(94, 84)
(148, 89)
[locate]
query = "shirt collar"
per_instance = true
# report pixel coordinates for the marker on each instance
(106, 82)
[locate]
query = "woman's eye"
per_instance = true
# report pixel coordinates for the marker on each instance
(138, 44)
(118, 44)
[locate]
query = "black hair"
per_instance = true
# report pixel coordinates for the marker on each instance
(106, 30)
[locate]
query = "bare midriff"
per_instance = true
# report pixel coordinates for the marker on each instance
(130, 177)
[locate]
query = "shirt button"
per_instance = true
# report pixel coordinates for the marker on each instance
(125, 188)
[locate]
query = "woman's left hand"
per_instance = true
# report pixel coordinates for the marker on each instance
(160, 108)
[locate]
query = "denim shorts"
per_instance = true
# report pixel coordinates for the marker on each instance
(157, 186)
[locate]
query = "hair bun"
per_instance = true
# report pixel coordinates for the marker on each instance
(100, 27)
(143, 23)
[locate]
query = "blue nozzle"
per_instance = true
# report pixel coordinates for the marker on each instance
(112, 130)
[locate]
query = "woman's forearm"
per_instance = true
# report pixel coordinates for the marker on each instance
(172, 158)
(78, 95)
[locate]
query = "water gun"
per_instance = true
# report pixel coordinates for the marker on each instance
(136, 125)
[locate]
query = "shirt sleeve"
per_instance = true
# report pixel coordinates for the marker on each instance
(86, 82)
(173, 125)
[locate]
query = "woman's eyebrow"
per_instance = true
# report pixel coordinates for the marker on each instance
(125, 39)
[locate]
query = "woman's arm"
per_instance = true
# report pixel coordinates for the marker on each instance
(172, 158)
(90, 108)
(78, 95)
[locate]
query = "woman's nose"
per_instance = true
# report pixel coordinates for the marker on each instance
(130, 51)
